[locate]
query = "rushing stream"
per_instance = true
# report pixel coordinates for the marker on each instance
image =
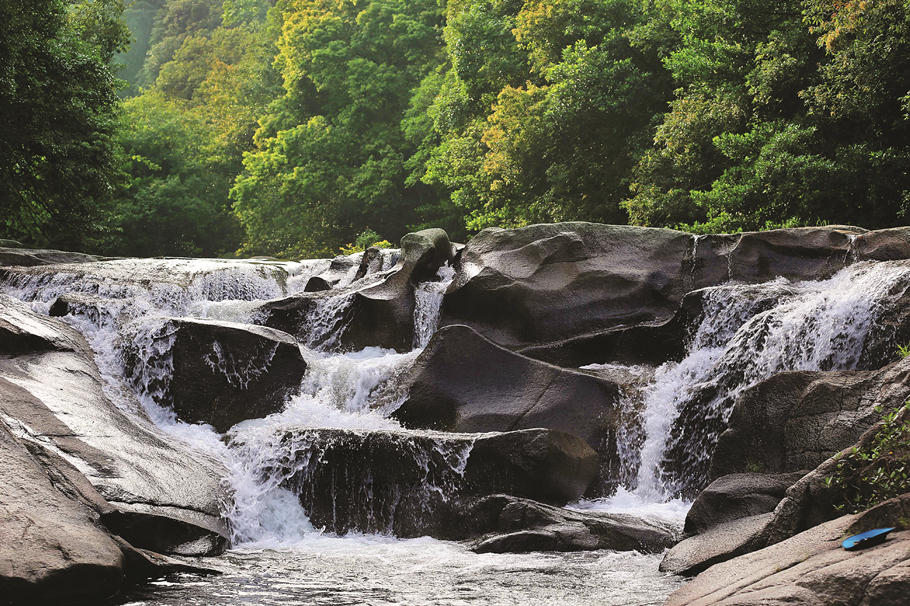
(746, 333)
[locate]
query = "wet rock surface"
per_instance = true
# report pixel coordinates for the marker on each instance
(721, 542)
(736, 496)
(568, 294)
(508, 524)
(374, 309)
(28, 257)
(557, 291)
(797, 420)
(216, 373)
(463, 382)
(413, 484)
(75, 460)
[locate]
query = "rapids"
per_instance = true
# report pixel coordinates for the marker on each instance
(745, 334)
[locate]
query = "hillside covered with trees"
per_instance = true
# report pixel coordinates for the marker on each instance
(290, 128)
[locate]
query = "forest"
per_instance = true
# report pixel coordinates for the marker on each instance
(299, 128)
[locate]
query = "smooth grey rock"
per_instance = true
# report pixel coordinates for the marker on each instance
(882, 245)
(28, 257)
(410, 484)
(802, 253)
(544, 284)
(463, 382)
(338, 269)
(55, 398)
(376, 310)
(557, 292)
(53, 548)
(738, 495)
(216, 372)
(23, 331)
(809, 568)
(721, 542)
(508, 524)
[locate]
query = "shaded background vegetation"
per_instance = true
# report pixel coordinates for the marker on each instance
(289, 128)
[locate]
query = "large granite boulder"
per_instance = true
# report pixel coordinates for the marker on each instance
(375, 310)
(797, 420)
(215, 372)
(721, 542)
(463, 382)
(410, 484)
(553, 291)
(508, 524)
(812, 568)
(56, 398)
(728, 518)
(547, 283)
(792, 421)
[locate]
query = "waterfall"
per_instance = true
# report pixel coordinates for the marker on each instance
(746, 334)
(428, 305)
(668, 418)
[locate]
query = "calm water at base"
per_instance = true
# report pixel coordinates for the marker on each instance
(376, 571)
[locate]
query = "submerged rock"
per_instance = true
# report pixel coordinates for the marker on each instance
(508, 524)
(462, 382)
(215, 372)
(412, 484)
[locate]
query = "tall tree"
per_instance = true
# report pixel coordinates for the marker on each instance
(550, 126)
(58, 108)
(333, 152)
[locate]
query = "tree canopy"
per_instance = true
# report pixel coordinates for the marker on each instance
(291, 127)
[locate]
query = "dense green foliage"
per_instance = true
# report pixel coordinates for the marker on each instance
(291, 127)
(877, 471)
(58, 110)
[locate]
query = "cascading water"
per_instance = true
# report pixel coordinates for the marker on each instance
(746, 334)
(669, 418)
(428, 305)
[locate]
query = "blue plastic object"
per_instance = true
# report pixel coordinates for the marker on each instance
(867, 539)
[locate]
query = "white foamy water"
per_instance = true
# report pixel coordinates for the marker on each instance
(428, 306)
(748, 333)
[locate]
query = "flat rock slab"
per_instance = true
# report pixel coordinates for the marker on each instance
(809, 568)
(720, 543)
(53, 548)
(56, 398)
